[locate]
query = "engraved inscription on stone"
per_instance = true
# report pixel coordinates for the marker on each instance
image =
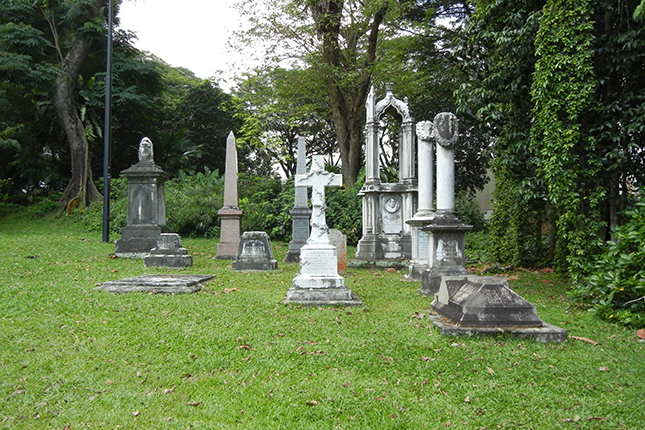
(317, 262)
(423, 244)
(448, 250)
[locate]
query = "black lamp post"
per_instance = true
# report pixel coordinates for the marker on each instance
(107, 128)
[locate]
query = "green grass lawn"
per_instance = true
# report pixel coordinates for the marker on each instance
(232, 356)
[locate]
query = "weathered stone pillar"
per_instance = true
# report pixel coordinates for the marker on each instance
(446, 245)
(300, 213)
(230, 213)
(425, 213)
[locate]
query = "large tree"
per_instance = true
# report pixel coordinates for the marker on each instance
(339, 40)
(46, 44)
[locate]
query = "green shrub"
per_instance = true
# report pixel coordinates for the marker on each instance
(266, 203)
(614, 282)
(345, 211)
(467, 210)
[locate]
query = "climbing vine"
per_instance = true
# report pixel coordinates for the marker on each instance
(562, 92)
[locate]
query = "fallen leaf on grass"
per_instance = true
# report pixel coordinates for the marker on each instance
(640, 333)
(136, 413)
(391, 270)
(311, 403)
(546, 270)
(604, 369)
(193, 403)
(490, 371)
(109, 382)
(467, 399)
(419, 315)
(546, 281)
(513, 278)
(169, 390)
(245, 346)
(229, 290)
(428, 358)
(347, 384)
(584, 339)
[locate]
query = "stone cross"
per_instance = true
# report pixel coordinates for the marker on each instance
(317, 178)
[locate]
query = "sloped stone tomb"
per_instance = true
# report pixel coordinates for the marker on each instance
(476, 305)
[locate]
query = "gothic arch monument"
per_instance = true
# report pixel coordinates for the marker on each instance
(386, 206)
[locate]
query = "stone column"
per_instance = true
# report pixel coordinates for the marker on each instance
(230, 213)
(446, 134)
(300, 213)
(446, 245)
(425, 213)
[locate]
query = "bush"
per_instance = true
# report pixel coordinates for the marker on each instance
(467, 210)
(345, 211)
(266, 203)
(614, 282)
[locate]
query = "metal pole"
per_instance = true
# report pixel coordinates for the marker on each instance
(107, 129)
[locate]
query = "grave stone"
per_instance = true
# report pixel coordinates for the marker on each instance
(446, 243)
(300, 214)
(230, 213)
(254, 253)
(318, 283)
(339, 240)
(168, 253)
(475, 305)
(425, 213)
(386, 206)
(146, 218)
(169, 284)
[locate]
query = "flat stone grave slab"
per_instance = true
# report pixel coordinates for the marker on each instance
(168, 284)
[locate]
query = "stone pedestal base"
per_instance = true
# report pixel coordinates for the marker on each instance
(446, 253)
(168, 253)
(318, 283)
(384, 247)
(229, 233)
(137, 240)
(299, 232)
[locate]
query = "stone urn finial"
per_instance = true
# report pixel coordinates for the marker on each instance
(146, 153)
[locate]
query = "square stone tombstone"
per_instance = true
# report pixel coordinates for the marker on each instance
(254, 253)
(339, 240)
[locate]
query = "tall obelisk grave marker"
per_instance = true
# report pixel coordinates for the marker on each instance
(230, 213)
(318, 283)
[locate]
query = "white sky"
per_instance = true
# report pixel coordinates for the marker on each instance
(185, 33)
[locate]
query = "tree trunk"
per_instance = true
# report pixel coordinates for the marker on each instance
(81, 189)
(347, 100)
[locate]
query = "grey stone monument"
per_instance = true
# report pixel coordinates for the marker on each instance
(230, 213)
(300, 214)
(254, 253)
(168, 253)
(386, 207)
(146, 218)
(318, 283)
(425, 213)
(485, 305)
(446, 242)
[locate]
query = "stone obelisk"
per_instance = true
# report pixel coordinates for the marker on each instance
(230, 213)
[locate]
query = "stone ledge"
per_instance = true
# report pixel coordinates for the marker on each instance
(545, 334)
(168, 284)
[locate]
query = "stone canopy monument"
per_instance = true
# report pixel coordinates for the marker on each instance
(318, 283)
(387, 206)
(146, 218)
